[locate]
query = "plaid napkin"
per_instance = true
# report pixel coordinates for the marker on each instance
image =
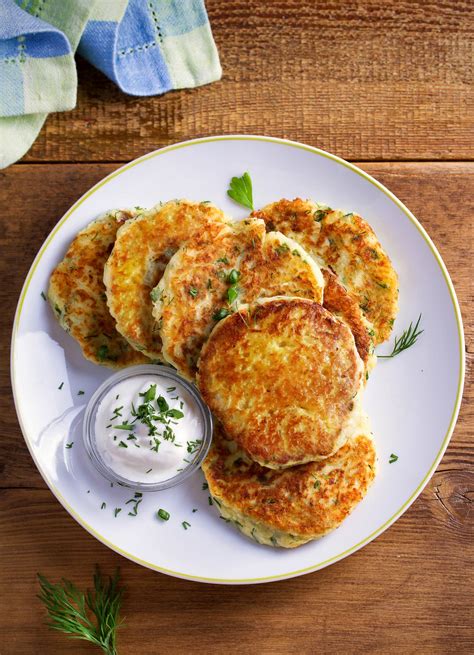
(147, 47)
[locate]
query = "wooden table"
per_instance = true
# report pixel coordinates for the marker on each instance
(387, 85)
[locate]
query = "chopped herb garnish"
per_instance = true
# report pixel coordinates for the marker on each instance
(194, 511)
(209, 500)
(193, 291)
(393, 458)
(43, 296)
(283, 247)
(163, 514)
(186, 525)
(319, 214)
(136, 500)
(209, 284)
(117, 510)
(103, 506)
(103, 352)
(193, 446)
(408, 339)
(155, 294)
(162, 404)
(222, 260)
(69, 445)
(241, 190)
(61, 386)
(122, 444)
(175, 413)
(171, 389)
(80, 392)
(124, 426)
(149, 471)
(220, 314)
(233, 276)
(232, 294)
(150, 394)
(205, 486)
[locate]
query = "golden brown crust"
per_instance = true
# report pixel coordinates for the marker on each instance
(287, 508)
(282, 376)
(349, 246)
(195, 286)
(142, 250)
(293, 218)
(77, 294)
(346, 244)
(340, 302)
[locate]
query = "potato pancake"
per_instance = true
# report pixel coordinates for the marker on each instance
(291, 507)
(141, 252)
(77, 294)
(209, 278)
(283, 376)
(345, 243)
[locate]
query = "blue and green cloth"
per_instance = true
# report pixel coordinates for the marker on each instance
(147, 47)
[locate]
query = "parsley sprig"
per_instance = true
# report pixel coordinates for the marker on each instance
(408, 339)
(91, 616)
(241, 190)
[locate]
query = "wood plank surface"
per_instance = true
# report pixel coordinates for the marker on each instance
(384, 82)
(408, 592)
(368, 80)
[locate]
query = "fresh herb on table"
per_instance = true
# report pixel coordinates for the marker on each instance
(241, 190)
(408, 339)
(91, 616)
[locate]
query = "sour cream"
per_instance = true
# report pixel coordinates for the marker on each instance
(148, 428)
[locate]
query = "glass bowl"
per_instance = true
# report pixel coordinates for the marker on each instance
(169, 375)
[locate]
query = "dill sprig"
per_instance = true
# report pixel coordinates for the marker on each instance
(71, 611)
(408, 339)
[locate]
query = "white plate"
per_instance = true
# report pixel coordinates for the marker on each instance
(413, 400)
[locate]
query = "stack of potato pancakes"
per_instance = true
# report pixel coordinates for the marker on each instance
(274, 317)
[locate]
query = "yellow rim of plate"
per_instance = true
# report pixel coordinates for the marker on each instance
(421, 230)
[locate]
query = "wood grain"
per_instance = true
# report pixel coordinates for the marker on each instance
(407, 592)
(47, 191)
(367, 80)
